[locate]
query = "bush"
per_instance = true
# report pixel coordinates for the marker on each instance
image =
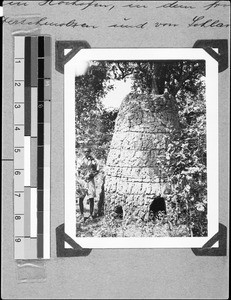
(109, 226)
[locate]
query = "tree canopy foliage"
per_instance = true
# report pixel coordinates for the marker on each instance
(157, 76)
(93, 123)
(184, 163)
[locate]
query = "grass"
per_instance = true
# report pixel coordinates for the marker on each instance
(107, 226)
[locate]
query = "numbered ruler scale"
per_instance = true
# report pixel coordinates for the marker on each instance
(32, 100)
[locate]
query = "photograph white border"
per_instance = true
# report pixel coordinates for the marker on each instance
(211, 83)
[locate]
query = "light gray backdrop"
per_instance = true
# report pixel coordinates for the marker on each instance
(112, 273)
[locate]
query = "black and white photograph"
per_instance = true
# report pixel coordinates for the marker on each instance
(141, 149)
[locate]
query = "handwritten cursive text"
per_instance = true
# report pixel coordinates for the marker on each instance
(209, 23)
(215, 4)
(84, 4)
(16, 3)
(135, 6)
(137, 26)
(44, 22)
(176, 5)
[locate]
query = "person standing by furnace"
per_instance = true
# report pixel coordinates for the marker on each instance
(86, 172)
